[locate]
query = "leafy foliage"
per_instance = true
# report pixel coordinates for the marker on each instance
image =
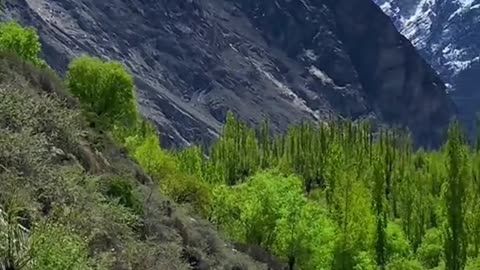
(123, 190)
(22, 41)
(56, 248)
(389, 206)
(106, 88)
(271, 211)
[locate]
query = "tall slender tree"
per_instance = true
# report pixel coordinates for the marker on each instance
(456, 242)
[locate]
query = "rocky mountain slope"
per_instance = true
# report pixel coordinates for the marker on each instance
(447, 34)
(286, 60)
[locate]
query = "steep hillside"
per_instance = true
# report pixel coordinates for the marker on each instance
(446, 32)
(285, 60)
(98, 206)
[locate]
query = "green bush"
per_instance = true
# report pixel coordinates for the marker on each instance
(473, 264)
(58, 248)
(430, 253)
(105, 88)
(22, 41)
(270, 211)
(397, 243)
(404, 264)
(123, 190)
(164, 168)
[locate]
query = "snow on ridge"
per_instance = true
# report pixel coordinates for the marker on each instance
(320, 75)
(417, 28)
(465, 3)
(286, 91)
(389, 9)
(310, 54)
(458, 59)
(463, 7)
(416, 22)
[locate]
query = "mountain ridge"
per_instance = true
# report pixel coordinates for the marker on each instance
(446, 35)
(288, 61)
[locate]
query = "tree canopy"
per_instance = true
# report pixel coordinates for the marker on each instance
(21, 41)
(106, 88)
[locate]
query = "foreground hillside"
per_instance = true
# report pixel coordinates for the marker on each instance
(70, 198)
(284, 60)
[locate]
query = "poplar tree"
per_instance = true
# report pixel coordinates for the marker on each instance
(456, 242)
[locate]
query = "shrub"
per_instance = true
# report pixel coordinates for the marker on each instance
(123, 191)
(164, 168)
(397, 243)
(430, 252)
(57, 248)
(13, 254)
(404, 264)
(105, 88)
(473, 264)
(188, 189)
(21, 41)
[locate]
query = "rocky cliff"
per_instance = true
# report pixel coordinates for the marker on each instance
(288, 60)
(447, 34)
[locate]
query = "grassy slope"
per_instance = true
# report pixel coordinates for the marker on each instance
(58, 170)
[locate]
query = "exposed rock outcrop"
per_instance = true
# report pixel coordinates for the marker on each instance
(288, 60)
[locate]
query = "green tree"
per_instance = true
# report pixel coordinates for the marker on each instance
(456, 242)
(105, 88)
(305, 236)
(397, 243)
(430, 253)
(22, 41)
(355, 224)
(270, 210)
(381, 217)
(473, 213)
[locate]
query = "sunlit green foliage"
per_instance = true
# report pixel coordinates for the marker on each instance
(56, 248)
(164, 168)
(21, 41)
(270, 210)
(455, 198)
(389, 205)
(106, 88)
(430, 253)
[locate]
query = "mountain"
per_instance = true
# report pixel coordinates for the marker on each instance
(447, 34)
(286, 60)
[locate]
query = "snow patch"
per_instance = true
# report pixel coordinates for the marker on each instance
(310, 54)
(457, 59)
(287, 92)
(419, 19)
(418, 26)
(320, 75)
(307, 5)
(464, 6)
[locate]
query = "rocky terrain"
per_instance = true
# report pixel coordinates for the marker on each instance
(447, 34)
(286, 60)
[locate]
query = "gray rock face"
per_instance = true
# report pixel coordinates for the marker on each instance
(288, 60)
(447, 34)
